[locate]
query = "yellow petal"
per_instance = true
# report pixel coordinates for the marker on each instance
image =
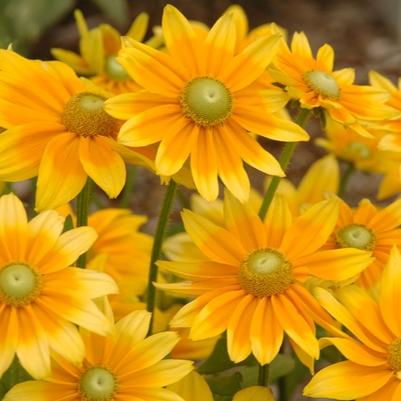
(192, 387)
(347, 381)
(254, 393)
(139, 27)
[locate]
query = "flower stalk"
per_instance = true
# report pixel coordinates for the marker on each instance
(83, 202)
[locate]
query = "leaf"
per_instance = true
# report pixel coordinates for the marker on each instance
(281, 365)
(225, 385)
(219, 360)
(116, 10)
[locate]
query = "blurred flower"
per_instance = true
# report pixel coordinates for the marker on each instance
(98, 53)
(199, 101)
(250, 279)
(313, 82)
(41, 298)
(122, 366)
(373, 366)
(254, 393)
(57, 129)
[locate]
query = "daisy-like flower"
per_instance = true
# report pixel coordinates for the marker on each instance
(313, 82)
(372, 371)
(41, 297)
(371, 229)
(124, 366)
(192, 387)
(250, 279)
(98, 50)
(57, 129)
(200, 100)
(364, 153)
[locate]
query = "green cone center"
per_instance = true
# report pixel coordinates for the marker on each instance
(265, 272)
(322, 83)
(115, 70)
(19, 284)
(84, 115)
(206, 101)
(394, 355)
(356, 236)
(98, 384)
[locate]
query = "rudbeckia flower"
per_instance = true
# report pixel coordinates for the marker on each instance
(57, 129)
(249, 282)
(123, 366)
(42, 299)
(98, 51)
(371, 229)
(313, 82)
(372, 370)
(200, 100)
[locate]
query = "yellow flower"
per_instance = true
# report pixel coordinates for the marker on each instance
(391, 183)
(41, 298)
(244, 36)
(200, 100)
(373, 366)
(370, 229)
(313, 82)
(98, 51)
(250, 279)
(365, 153)
(124, 366)
(57, 129)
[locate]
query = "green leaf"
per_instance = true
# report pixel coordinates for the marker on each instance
(14, 374)
(68, 223)
(225, 385)
(219, 360)
(281, 365)
(116, 10)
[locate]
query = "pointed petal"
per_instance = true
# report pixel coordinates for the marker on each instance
(105, 166)
(61, 176)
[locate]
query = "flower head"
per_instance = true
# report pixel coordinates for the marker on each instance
(41, 297)
(200, 100)
(373, 352)
(122, 366)
(250, 279)
(313, 82)
(57, 129)
(98, 53)
(369, 228)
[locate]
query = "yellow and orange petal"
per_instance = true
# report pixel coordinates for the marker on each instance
(124, 365)
(373, 350)
(312, 81)
(56, 128)
(178, 117)
(250, 281)
(42, 298)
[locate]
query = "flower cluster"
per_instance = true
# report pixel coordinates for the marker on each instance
(252, 282)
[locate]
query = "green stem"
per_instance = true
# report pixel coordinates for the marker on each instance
(129, 187)
(263, 379)
(8, 187)
(282, 387)
(83, 201)
(157, 246)
(284, 160)
(345, 178)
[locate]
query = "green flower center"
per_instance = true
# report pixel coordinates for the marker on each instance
(265, 272)
(19, 284)
(84, 115)
(115, 70)
(206, 101)
(356, 236)
(394, 356)
(322, 83)
(97, 384)
(358, 149)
